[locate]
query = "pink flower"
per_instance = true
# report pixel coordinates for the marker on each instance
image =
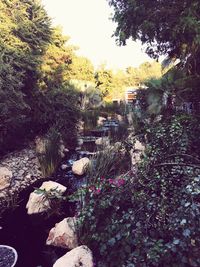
(120, 182)
(97, 191)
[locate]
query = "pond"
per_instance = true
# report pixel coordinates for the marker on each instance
(28, 233)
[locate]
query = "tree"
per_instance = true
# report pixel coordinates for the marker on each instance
(81, 69)
(24, 34)
(56, 61)
(104, 81)
(167, 27)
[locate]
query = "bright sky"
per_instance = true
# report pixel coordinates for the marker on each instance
(87, 23)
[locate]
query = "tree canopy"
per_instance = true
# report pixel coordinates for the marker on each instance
(167, 27)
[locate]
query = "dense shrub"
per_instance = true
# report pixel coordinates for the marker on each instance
(34, 63)
(151, 219)
(57, 108)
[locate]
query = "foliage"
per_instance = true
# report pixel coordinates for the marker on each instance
(120, 133)
(56, 62)
(90, 118)
(109, 162)
(50, 159)
(113, 109)
(24, 35)
(104, 81)
(166, 27)
(137, 76)
(34, 70)
(81, 69)
(90, 98)
(102, 221)
(151, 219)
(54, 198)
(112, 84)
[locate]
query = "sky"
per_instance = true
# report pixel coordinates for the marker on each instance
(89, 26)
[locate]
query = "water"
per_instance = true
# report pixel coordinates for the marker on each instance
(28, 234)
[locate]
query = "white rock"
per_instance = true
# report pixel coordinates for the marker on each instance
(38, 202)
(79, 166)
(77, 257)
(103, 141)
(100, 121)
(28, 176)
(120, 118)
(64, 234)
(5, 177)
(139, 146)
(64, 166)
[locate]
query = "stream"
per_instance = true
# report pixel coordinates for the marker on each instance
(28, 233)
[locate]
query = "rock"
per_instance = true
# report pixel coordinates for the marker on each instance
(38, 202)
(101, 121)
(139, 146)
(79, 141)
(77, 257)
(64, 234)
(79, 166)
(103, 141)
(120, 118)
(28, 176)
(5, 177)
(21, 172)
(64, 166)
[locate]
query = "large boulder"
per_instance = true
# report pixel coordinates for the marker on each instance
(38, 201)
(64, 234)
(77, 257)
(79, 166)
(5, 177)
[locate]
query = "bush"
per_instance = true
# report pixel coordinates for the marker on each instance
(57, 108)
(152, 219)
